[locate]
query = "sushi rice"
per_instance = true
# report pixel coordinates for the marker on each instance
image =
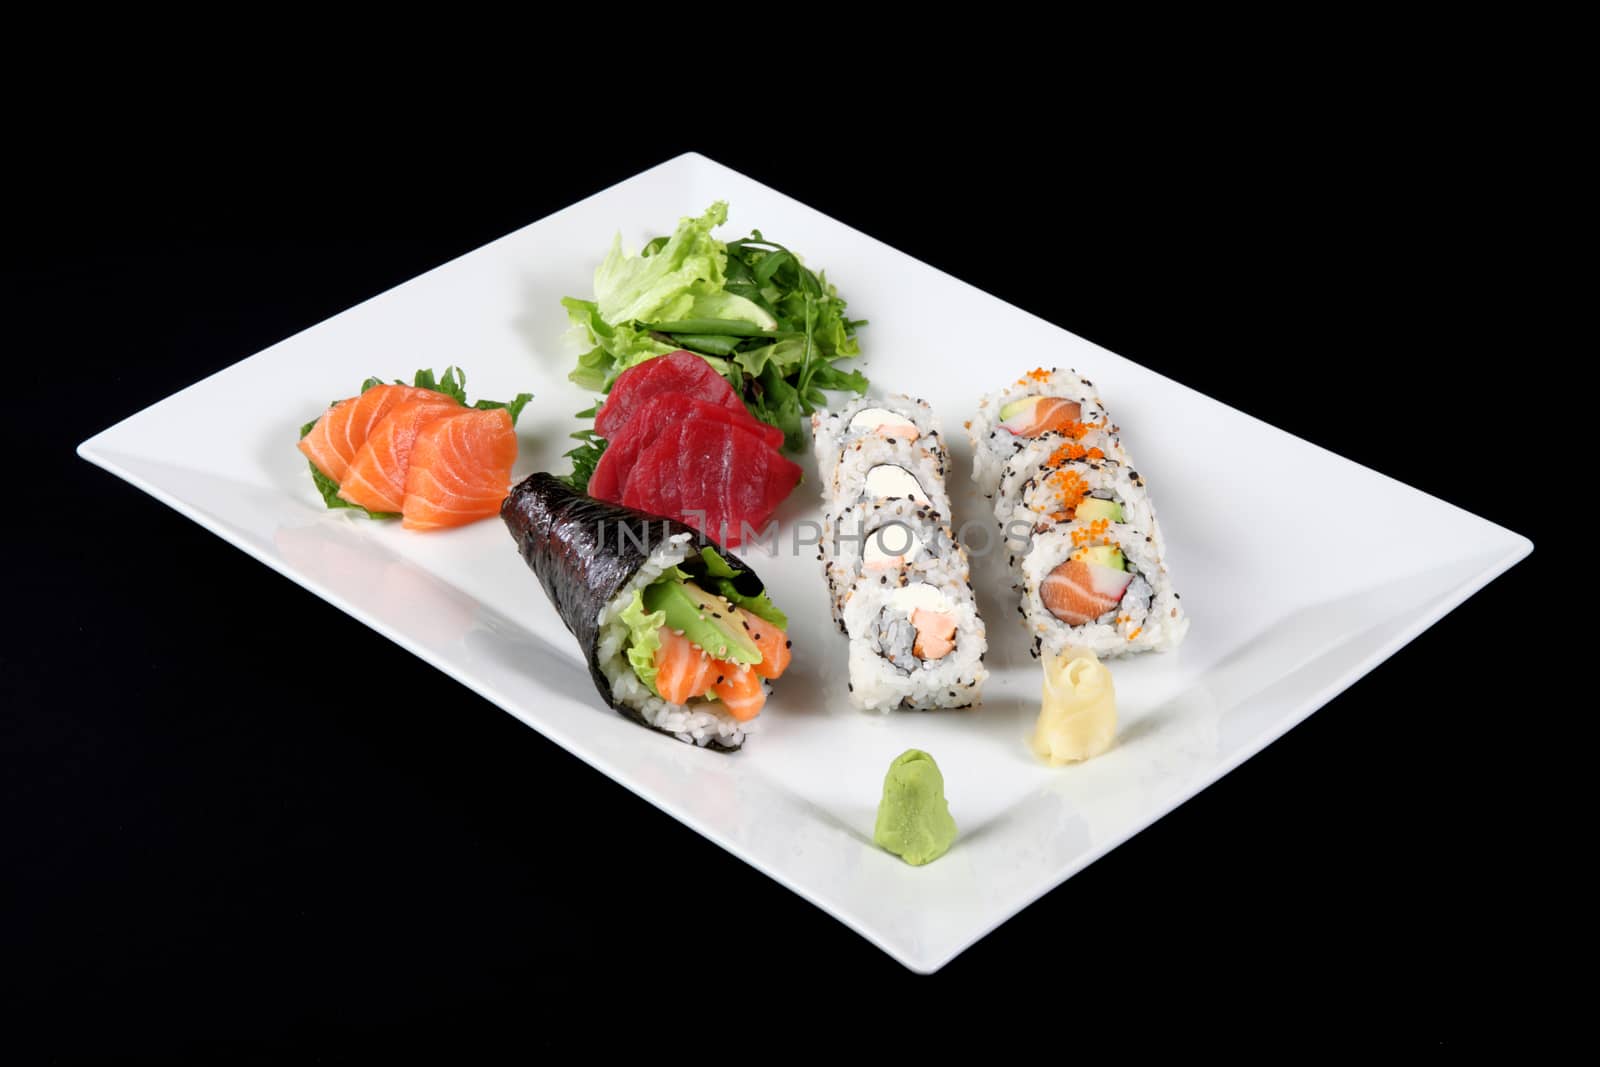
(865, 536)
(833, 430)
(878, 468)
(1032, 456)
(1046, 491)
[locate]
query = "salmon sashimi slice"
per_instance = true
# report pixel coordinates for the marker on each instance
(683, 670)
(772, 642)
(376, 477)
(739, 689)
(460, 469)
(1079, 592)
(1051, 414)
(336, 438)
(936, 633)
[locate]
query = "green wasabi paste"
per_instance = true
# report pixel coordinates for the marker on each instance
(913, 817)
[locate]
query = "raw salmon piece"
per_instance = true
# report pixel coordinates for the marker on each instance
(460, 469)
(739, 689)
(683, 670)
(773, 643)
(1050, 414)
(936, 633)
(376, 477)
(336, 438)
(1078, 592)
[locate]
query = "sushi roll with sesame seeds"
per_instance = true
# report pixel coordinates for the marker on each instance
(1040, 403)
(1041, 455)
(916, 640)
(870, 468)
(1080, 490)
(902, 417)
(898, 580)
(882, 539)
(1099, 585)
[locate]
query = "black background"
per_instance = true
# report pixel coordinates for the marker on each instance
(224, 836)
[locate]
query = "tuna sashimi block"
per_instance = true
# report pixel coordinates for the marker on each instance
(716, 477)
(676, 372)
(661, 413)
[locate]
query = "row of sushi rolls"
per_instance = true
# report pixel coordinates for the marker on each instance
(633, 549)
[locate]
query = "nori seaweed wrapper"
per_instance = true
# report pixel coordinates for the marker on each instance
(585, 550)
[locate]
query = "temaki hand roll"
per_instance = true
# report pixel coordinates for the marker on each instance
(679, 633)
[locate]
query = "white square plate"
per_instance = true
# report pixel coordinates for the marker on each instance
(1289, 607)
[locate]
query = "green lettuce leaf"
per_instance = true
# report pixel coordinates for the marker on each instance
(643, 638)
(725, 305)
(666, 284)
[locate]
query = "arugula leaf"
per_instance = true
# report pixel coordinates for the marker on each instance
(780, 405)
(587, 455)
(514, 405)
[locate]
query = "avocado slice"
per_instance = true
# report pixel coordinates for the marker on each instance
(1094, 508)
(1104, 555)
(1017, 407)
(706, 619)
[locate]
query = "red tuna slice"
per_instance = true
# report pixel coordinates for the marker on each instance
(676, 372)
(714, 476)
(659, 414)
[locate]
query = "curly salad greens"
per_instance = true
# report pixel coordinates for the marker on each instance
(774, 328)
